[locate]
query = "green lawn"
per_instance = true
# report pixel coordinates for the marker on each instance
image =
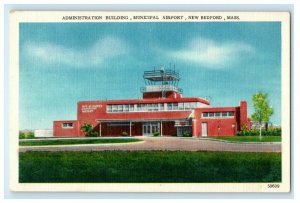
(77, 141)
(248, 138)
(148, 167)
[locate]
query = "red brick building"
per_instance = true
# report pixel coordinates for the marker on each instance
(162, 109)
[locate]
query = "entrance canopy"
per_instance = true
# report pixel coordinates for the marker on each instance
(140, 120)
(147, 116)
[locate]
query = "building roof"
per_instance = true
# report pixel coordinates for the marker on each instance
(152, 100)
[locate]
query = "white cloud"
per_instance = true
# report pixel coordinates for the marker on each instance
(49, 53)
(210, 54)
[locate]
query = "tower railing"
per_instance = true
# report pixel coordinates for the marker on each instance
(168, 73)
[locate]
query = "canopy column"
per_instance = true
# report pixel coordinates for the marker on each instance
(161, 130)
(100, 129)
(130, 128)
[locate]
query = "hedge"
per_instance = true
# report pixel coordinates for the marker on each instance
(255, 132)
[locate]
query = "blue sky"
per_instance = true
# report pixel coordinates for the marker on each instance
(63, 63)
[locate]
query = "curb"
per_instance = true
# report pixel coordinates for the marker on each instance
(234, 142)
(81, 145)
(77, 138)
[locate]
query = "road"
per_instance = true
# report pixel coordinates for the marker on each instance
(165, 144)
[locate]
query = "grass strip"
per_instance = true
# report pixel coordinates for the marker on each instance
(76, 141)
(149, 167)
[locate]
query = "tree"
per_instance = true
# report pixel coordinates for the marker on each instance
(86, 128)
(262, 109)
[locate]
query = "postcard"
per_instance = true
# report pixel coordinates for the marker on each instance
(149, 101)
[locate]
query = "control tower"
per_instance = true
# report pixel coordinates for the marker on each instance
(161, 83)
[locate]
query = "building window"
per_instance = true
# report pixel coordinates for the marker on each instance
(114, 108)
(187, 106)
(151, 107)
(148, 107)
(109, 108)
(131, 107)
(169, 106)
(180, 106)
(67, 125)
(143, 107)
(155, 107)
(120, 108)
(217, 114)
(126, 108)
(175, 106)
(225, 114)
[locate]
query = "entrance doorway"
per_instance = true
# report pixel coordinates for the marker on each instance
(150, 127)
(204, 129)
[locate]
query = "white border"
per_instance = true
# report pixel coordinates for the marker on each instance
(17, 17)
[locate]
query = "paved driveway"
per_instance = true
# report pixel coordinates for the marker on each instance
(167, 144)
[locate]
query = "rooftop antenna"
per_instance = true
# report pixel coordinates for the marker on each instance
(162, 71)
(208, 98)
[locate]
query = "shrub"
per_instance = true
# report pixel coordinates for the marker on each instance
(255, 132)
(274, 131)
(26, 135)
(30, 135)
(22, 135)
(125, 134)
(155, 134)
(87, 129)
(244, 129)
(187, 134)
(92, 134)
